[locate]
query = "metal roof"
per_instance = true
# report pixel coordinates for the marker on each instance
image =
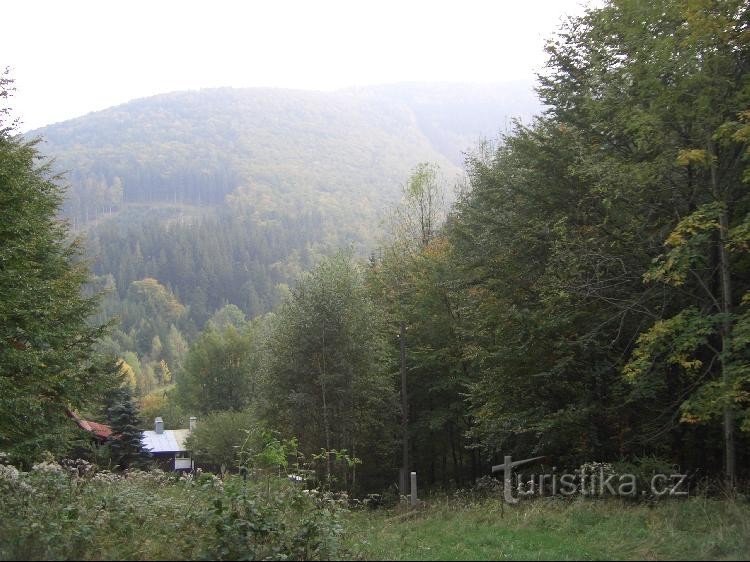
(169, 441)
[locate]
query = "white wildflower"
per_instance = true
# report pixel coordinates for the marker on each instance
(8, 472)
(48, 467)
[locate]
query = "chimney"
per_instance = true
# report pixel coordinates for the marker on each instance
(193, 420)
(159, 425)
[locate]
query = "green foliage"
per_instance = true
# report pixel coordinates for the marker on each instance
(47, 359)
(162, 403)
(263, 449)
(220, 370)
(564, 222)
(412, 281)
(644, 469)
(226, 316)
(76, 512)
(225, 195)
(328, 380)
(544, 271)
(149, 310)
(240, 257)
(287, 524)
(219, 436)
(586, 295)
(125, 443)
(417, 219)
(328, 468)
(54, 512)
(276, 151)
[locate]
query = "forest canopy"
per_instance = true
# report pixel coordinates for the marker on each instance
(582, 296)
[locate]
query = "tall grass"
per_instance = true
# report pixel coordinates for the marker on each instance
(554, 528)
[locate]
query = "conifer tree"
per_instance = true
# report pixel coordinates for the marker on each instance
(47, 362)
(126, 440)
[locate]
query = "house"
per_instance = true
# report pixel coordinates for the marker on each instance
(99, 432)
(167, 446)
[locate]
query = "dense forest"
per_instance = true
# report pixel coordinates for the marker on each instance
(225, 196)
(583, 295)
(343, 153)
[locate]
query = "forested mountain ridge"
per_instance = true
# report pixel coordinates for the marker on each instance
(343, 153)
(224, 196)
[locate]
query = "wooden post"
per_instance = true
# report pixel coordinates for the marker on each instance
(414, 489)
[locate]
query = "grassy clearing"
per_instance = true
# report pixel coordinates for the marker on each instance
(582, 529)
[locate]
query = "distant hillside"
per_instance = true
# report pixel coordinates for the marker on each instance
(224, 195)
(454, 117)
(344, 153)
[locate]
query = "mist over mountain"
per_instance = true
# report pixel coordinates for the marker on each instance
(344, 152)
(454, 117)
(224, 194)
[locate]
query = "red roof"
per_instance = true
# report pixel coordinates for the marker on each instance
(98, 430)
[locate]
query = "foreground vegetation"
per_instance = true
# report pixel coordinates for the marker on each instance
(554, 529)
(56, 512)
(74, 511)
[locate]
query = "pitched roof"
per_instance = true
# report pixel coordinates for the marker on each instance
(168, 441)
(98, 430)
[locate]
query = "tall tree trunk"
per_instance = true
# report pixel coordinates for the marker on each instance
(325, 408)
(726, 308)
(327, 430)
(404, 413)
(354, 468)
(456, 468)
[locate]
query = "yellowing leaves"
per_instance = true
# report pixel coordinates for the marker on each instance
(688, 364)
(688, 243)
(153, 402)
(690, 418)
(694, 157)
(438, 248)
(673, 342)
(704, 219)
(127, 372)
(739, 237)
(742, 134)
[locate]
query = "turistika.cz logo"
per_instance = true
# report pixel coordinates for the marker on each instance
(594, 479)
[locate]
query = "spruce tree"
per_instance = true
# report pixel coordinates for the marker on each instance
(126, 440)
(47, 362)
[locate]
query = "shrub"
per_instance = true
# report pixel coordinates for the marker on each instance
(217, 438)
(73, 511)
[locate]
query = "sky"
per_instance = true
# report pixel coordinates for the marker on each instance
(71, 57)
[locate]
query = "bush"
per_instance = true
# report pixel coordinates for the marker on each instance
(644, 469)
(73, 511)
(218, 437)
(288, 523)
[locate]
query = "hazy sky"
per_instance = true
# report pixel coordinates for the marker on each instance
(70, 57)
